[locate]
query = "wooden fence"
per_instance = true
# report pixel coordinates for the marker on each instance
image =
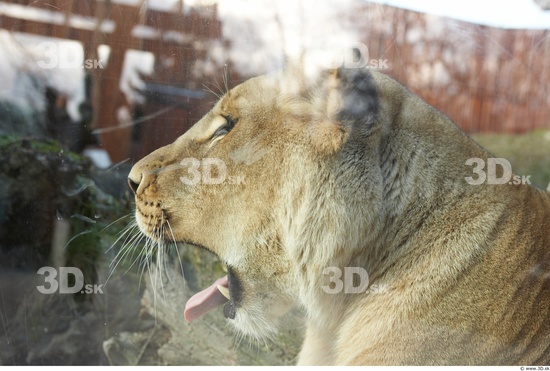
(485, 79)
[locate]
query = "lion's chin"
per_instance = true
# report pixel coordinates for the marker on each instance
(253, 322)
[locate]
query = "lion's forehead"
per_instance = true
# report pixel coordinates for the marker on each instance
(250, 95)
(281, 86)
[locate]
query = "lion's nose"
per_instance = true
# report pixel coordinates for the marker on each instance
(134, 179)
(133, 185)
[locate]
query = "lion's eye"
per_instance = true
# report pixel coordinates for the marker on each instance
(225, 129)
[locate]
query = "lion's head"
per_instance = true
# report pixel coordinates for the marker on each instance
(271, 181)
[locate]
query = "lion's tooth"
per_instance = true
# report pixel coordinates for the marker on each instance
(224, 291)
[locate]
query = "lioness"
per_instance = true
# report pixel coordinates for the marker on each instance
(350, 169)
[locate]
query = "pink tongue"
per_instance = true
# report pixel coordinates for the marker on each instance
(205, 300)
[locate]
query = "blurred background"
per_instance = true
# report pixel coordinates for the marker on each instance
(88, 87)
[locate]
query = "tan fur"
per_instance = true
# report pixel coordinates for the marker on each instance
(353, 170)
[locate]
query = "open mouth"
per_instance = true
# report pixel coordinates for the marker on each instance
(226, 290)
(216, 295)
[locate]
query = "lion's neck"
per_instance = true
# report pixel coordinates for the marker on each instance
(399, 196)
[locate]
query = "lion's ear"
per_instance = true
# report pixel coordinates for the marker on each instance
(359, 104)
(350, 102)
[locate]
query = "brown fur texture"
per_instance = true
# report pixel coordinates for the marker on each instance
(352, 170)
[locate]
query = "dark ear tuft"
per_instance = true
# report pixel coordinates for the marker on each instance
(359, 96)
(349, 102)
